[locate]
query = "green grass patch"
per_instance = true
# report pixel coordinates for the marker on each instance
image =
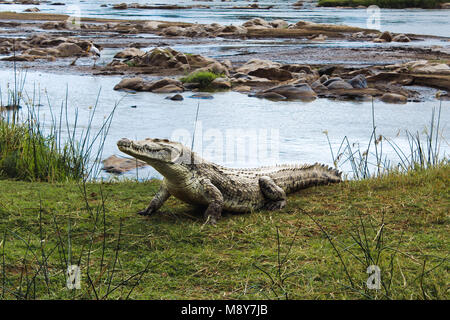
(394, 4)
(203, 78)
(27, 154)
(399, 222)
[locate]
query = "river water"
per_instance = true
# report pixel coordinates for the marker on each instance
(272, 132)
(416, 21)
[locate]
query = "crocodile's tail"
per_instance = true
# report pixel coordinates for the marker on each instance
(299, 177)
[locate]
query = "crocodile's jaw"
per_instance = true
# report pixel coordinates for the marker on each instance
(163, 155)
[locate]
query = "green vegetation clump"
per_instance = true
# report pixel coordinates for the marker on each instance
(27, 154)
(394, 4)
(51, 151)
(203, 78)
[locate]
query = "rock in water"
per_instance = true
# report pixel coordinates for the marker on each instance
(129, 53)
(401, 38)
(201, 95)
(393, 98)
(358, 82)
(301, 91)
(176, 97)
(114, 164)
(386, 36)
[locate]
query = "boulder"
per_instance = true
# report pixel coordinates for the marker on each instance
(32, 10)
(36, 52)
(339, 84)
(255, 64)
(159, 57)
(176, 97)
(358, 82)
(319, 37)
(69, 50)
(279, 24)
(163, 83)
(170, 88)
(297, 68)
(327, 70)
(393, 98)
(137, 84)
(221, 83)
(120, 6)
(257, 22)
(129, 53)
(117, 165)
(201, 95)
(270, 96)
(303, 24)
(215, 67)
(227, 63)
(272, 74)
(331, 80)
(195, 31)
(235, 30)
(242, 88)
(318, 86)
(430, 68)
(401, 38)
(386, 36)
(301, 91)
(151, 25)
(50, 25)
(323, 78)
(173, 31)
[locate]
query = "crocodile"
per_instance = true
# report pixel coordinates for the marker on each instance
(194, 180)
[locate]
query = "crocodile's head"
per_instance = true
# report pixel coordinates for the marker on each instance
(170, 158)
(152, 150)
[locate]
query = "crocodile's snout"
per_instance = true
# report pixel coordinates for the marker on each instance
(124, 142)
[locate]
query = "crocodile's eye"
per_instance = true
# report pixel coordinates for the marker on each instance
(148, 138)
(165, 140)
(156, 140)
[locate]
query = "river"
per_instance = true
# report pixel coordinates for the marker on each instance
(285, 132)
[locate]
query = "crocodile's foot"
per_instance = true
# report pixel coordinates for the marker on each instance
(144, 213)
(275, 205)
(211, 221)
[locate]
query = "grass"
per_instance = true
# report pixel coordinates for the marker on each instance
(184, 259)
(394, 4)
(35, 150)
(203, 78)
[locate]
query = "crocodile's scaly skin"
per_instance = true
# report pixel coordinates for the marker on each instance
(194, 180)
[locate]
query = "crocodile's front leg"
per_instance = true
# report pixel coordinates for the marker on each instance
(275, 196)
(158, 200)
(215, 201)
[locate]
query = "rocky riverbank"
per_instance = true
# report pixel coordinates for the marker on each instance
(277, 81)
(368, 63)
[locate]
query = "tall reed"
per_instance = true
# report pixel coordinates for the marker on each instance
(424, 151)
(33, 150)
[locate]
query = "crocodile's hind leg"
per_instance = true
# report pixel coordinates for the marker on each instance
(158, 200)
(215, 201)
(275, 196)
